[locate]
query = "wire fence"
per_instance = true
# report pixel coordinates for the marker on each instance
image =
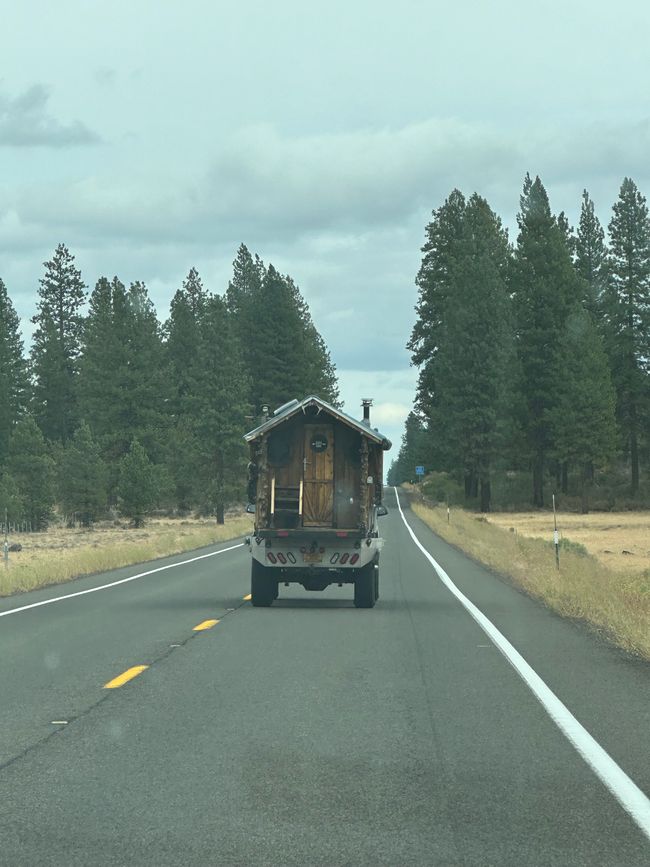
(16, 527)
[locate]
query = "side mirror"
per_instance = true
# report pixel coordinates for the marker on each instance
(250, 508)
(381, 510)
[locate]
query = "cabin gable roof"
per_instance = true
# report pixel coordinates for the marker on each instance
(295, 407)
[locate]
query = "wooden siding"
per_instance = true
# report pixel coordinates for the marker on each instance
(347, 463)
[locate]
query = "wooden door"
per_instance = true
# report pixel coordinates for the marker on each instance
(318, 476)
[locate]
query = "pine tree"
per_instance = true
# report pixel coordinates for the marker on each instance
(568, 233)
(433, 281)
(13, 373)
(626, 309)
(83, 478)
(32, 469)
(57, 345)
(183, 330)
(591, 254)
(318, 371)
(124, 386)
(184, 353)
(583, 421)
(137, 484)
(413, 450)
(284, 354)
(244, 302)
(545, 286)
(147, 389)
(11, 503)
(322, 379)
(218, 407)
(474, 354)
(276, 346)
(103, 372)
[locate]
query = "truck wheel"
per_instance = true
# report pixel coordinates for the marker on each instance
(263, 588)
(364, 587)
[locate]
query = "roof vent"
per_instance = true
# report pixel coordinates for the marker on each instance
(366, 403)
(285, 406)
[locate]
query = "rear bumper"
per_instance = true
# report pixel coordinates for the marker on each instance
(311, 553)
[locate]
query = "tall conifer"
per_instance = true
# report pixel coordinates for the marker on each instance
(218, 408)
(244, 302)
(545, 286)
(184, 359)
(57, 345)
(591, 254)
(433, 281)
(32, 469)
(83, 478)
(275, 346)
(103, 371)
(583, 422)
(13, 373)
(626, 310)
(474, 356)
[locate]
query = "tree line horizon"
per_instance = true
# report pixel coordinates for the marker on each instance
(113, 408)
(533, 357)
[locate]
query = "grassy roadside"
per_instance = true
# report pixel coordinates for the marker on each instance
(59, 555)
(615, 603)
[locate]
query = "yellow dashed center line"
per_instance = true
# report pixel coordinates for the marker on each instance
(247, 598)
(126, 676)
(207, 624)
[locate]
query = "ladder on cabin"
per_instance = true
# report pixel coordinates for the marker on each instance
(286, 505)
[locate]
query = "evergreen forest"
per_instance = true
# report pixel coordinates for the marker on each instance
(533, 357)
(114, 412)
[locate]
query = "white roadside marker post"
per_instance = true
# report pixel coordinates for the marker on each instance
(556, 536)
(5, 547)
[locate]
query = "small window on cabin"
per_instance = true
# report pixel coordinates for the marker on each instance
(319, 443)
(279, 451)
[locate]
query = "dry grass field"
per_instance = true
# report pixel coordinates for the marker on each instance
(60, 554)
(613, 599)
(619, 540)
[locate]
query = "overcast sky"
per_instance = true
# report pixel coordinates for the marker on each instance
(150, 136)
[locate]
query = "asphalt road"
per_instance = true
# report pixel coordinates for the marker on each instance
(310, 733)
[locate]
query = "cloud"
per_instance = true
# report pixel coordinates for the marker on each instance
(349, 181)
(331, 190)
(335, 188)
(26, 122)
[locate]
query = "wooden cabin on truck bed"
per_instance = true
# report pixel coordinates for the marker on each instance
(316, 481)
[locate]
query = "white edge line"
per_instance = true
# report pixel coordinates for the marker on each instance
(627, 793)
(116, 583)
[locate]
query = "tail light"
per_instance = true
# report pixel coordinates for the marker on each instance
(281, 558)
(334, 558)
(271, 557)
(344, 559)
(291, 557)
(353, 559)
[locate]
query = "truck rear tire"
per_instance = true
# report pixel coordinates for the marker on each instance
(365, 586)
(264, 589)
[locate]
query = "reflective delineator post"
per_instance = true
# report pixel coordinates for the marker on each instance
(556, 536)
(5, 547)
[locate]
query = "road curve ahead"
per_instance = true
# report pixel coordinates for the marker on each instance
(313, 733)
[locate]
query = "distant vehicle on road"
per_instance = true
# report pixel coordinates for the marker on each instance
(315, 485)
